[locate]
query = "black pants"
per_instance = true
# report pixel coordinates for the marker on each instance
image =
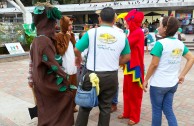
(108, 87)
(146, 42)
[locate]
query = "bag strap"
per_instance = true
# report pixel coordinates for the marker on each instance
(84, 67)
(95, 50)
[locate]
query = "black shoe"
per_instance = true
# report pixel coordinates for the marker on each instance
(33, 112)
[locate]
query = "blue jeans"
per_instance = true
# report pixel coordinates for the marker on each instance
(115, 99)
(162, 100)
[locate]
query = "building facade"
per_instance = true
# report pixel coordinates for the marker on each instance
(85, 12)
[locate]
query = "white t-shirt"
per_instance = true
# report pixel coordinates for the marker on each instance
(119, 29)
(170, 52)
(110, 44)
(69, 60)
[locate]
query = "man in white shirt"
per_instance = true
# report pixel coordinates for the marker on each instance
(112, 49)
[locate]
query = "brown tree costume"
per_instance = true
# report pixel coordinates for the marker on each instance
(63, 40)
(53, 93)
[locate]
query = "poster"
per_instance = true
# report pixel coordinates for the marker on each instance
(14, 48)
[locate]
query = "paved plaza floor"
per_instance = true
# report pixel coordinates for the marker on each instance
(16, 97)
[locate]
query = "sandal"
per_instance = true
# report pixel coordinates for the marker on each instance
(131, 123)
(121, 117)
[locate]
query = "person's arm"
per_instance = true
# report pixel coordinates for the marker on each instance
(78, 57)
(124, 59)
(157, 53)
(80, 46)
(125, 54)
(151, 70)
(190, 60)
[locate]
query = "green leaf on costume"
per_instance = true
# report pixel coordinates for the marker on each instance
(45, 58)
(54, 13)
(49, 71)
(54, 68)
(38, 9)
(58, 58)
(59, 80)
(63, 88)
(73, 87)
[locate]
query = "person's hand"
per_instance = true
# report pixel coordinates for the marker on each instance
(181, 79)
(72, 34)
(145, 85)
(69, 33)
(30, 84)
(78, 61)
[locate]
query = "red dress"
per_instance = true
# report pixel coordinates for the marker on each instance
(134, 69)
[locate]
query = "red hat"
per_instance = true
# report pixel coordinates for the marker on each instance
(135, 16)
(134, 19)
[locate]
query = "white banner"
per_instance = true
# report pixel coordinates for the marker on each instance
(14, 48)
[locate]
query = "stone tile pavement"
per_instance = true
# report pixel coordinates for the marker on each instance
(16, 97)
(189, 37)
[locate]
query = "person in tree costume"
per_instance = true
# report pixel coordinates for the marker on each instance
(65, 43)
(134, 69)
(53, 91)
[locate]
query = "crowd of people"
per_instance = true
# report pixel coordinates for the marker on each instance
(56, 60)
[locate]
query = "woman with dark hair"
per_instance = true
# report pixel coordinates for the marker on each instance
(164, 71)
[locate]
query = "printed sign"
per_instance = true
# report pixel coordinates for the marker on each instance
(14, 48)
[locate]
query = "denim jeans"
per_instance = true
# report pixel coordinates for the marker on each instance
(162, 100)
(115, 99)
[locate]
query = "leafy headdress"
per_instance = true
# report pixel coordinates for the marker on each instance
(45, 16)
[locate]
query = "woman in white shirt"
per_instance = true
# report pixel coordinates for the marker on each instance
(164, 71)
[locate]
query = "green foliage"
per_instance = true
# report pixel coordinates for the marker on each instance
(11, 32)
(29, 40)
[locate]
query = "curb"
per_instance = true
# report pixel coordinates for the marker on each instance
(14, 57)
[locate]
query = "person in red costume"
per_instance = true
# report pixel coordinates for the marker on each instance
(134, 69)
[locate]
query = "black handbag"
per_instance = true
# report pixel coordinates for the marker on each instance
(85, 98)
